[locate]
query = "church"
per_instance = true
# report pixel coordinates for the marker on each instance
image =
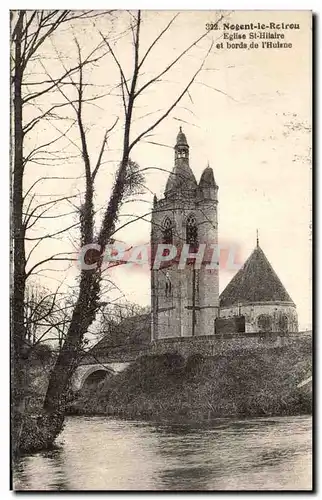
(186, 302)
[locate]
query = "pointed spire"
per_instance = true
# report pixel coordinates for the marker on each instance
(155, 200)
(181, 139)
(257, 239)
(181, 178)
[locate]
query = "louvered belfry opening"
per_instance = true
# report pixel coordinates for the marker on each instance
(167, 232)
(167, 235)
(192, 234)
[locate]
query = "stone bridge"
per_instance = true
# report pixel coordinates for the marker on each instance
(94, 373)
(101, 362)
(95, 366)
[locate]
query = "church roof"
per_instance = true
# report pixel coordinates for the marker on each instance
(207, 178)
(256, 281)
(182, 178)
(181, 139)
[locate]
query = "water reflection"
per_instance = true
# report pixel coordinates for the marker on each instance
(41, 471)
(105, 454)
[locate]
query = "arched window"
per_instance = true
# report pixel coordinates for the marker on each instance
(283, 323)
(192, 233)
(182, 153)
(168, 285)
(264, 323)
(167, 231)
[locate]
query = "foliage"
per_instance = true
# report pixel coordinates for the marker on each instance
(243, 383)
(38, 432)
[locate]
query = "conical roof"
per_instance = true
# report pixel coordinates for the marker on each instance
(182, 178)
(256, 281)
(181, 138)
(207, 178)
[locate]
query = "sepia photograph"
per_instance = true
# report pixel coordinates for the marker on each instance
(161, 250)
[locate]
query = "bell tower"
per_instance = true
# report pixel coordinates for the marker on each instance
(184, 297)
(182, 147)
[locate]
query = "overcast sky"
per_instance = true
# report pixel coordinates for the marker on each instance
(249, 115)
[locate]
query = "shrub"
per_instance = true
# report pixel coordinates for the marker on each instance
(239, 383)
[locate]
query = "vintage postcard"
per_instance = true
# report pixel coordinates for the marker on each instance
(161, 251)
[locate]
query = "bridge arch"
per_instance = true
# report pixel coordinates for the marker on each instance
(90, 373)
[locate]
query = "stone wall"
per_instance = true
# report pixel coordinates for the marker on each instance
(253, 311)
(206, 345)
(220, 344)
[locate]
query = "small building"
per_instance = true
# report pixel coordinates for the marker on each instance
(257, 293)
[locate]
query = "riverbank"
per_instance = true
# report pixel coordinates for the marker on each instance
(237, 384)
(33, 430)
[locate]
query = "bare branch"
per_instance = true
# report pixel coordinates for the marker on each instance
(123, 79)
(157, 122)
(153, 80)
(34, 44)
(99, 160)
(40, 179)
(49, 259)
(46, 236)
(51, 202)
(157, 39)
(68, 73)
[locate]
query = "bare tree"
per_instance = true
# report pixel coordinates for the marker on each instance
(89, 290)
(30, 31)
(127, 177)
(39, 305)
(47, 316)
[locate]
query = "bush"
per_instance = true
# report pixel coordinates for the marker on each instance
(240, 383)
(171, 361)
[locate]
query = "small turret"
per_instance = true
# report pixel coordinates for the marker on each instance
(182, 147)
(181, 180)
(207, 185)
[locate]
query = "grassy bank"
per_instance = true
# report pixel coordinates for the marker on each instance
(245, 383)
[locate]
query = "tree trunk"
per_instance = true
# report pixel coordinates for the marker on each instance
(86, 307)
(18, 230)
(82, 317)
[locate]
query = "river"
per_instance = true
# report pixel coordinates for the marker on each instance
(97, 453)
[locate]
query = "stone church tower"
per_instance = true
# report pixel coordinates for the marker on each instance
(185, 301)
